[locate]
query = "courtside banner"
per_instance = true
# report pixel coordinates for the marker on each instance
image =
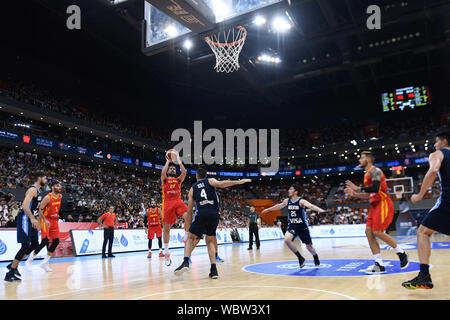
(85, 242)
(333, 231)
(264, 234)
(9, 245)
(326, 231)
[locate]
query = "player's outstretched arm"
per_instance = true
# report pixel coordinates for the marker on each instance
(309, 205)
(226, 183)
(278, 206)
(182, 176)
(42, 206)
(164, 172)
(190, 209)
(435, 162)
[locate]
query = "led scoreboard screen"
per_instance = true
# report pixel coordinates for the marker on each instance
(406, 98)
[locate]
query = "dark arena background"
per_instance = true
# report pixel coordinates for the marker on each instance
(93, 93)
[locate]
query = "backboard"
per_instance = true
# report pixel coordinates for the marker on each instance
(161, 30)
(403, 185)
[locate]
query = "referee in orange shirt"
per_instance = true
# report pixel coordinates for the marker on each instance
(108, 222)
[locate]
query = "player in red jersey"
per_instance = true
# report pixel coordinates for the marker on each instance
(381, 211)
(172, 205)
(153, 222)
(49, 215)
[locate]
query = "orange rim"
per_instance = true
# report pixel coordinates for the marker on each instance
(217, 44)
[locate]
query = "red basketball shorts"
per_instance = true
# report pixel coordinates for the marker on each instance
(152, 230)
(51, 232)
(380, 215)
(173, 209)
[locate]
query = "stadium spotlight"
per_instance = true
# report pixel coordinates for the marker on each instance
(269, 59)
(281, 24)
(259, 20)
(187, 44)
(171, 30)
(221, 10)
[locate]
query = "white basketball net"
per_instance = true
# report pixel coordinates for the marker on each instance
(227, 45)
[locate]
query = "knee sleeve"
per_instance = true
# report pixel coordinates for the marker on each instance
(53, 246)
(24, 250)
(43, 244)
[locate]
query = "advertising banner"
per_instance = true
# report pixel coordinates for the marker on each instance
(9, 245)
(85, 242)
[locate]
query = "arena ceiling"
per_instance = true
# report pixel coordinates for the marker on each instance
(331, 62)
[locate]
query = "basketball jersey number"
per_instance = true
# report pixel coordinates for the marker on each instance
(203, 194)
(293, 214)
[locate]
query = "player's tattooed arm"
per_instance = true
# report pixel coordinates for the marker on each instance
(307, 204)
(278, 206)
(375, 175)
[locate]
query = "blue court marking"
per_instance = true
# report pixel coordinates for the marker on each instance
(327, 268)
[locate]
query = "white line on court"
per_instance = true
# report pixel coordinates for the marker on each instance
(227, 287)
(82, 289)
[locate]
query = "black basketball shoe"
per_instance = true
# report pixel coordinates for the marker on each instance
(10, 276)
(213, 274)
(302, 262)
(404, 262)
(316, 260)
(16, 271)
(422, 281)
(376, 269)
(182, 269)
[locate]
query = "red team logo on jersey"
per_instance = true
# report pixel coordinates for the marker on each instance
(173, 207)
(51, 213)
(381, 211)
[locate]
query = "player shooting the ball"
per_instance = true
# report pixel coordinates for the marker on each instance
(172, 205)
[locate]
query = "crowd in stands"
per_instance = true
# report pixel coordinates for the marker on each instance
(298, 139)
(314, 192)
(32, 94)
(89, 190)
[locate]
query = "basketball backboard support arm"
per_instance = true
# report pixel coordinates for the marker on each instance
(160, 32)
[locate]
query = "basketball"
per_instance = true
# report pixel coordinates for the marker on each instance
(171, 155)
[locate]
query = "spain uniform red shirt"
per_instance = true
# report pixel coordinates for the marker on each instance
(153, 222)
(51, 214)
(173, 206)
(381, 211)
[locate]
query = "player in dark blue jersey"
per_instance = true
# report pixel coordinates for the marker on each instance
(438, 219)
(206, 218)
(297, 223)
(27, 225)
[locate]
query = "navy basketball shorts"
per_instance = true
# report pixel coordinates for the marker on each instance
(25, 231)
(301, 231)
(205, 223)
(438, 219)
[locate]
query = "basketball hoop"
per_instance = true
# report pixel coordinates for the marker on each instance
(227, 45)
(398, 194)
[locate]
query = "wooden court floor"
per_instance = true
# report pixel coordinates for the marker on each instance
(133, 276)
